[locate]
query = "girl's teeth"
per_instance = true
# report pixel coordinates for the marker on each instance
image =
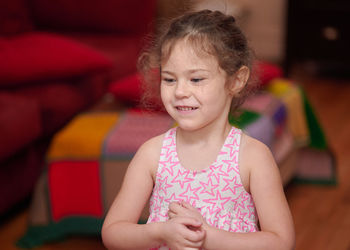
(185, 108)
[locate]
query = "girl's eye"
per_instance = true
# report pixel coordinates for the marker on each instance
(196, 80)
(168, 80)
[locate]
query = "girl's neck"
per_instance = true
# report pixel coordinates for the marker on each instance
(198, 149)
(207, 134)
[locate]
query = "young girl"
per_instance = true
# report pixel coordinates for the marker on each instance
(210, 185)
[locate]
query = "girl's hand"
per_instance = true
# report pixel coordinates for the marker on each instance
(185, 209)
(183, 232)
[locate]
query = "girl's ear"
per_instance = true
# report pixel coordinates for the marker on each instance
(239, 80)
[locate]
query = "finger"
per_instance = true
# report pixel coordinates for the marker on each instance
(188, 206)
(192, 245)
(174, 206)
(193, 231)
(178, 209)
(195, 236)
(171, 215)
(189, 221)
(196, 242)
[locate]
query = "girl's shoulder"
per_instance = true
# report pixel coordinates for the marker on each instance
(155, 143)
(251, 145)
(149, 153)
(253, 151)
(254, 157)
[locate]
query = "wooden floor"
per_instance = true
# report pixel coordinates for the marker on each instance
(321, 213)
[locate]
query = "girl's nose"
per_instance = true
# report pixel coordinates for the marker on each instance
(182, 89)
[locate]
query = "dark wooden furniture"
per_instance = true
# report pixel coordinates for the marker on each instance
(318, 36)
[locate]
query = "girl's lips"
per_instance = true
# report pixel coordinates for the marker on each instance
(185, 108)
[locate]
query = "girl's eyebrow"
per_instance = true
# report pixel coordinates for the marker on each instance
(196, 70)
(188, 71)
(167, 72)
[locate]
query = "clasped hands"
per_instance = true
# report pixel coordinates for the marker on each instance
(186, 226)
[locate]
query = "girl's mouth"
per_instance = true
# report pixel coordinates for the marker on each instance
(185, 108)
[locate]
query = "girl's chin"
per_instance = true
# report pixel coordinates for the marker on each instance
(187, 126)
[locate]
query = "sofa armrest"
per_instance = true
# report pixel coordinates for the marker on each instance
(19, 123)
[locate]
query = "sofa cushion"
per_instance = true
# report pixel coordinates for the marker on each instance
(123, 50)
(265, 72)
(58, 103)
(19, 123)
(14, 17)
(43, 56)
(127, 89)
(132, 16)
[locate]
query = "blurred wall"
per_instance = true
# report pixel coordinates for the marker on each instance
(263, 22)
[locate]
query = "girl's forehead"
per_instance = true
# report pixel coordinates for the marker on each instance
(184, 51)
(199, 46)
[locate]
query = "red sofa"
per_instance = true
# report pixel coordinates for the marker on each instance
(57, 59)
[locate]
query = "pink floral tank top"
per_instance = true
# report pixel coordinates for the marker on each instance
(217, 191)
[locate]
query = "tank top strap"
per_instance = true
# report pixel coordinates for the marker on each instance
(168, 150)
(229, 154)
(234, 137)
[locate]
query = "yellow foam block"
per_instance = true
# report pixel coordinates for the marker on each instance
(279, 87)
(83, 137)
(290, 95)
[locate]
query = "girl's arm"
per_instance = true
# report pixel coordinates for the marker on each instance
(266, 188)
(120, 229)
(277, 230)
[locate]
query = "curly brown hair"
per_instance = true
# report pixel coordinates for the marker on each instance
(210, 32)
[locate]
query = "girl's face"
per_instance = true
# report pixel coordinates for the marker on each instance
(193, 88)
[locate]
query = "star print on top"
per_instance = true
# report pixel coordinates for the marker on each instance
(217, 191)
